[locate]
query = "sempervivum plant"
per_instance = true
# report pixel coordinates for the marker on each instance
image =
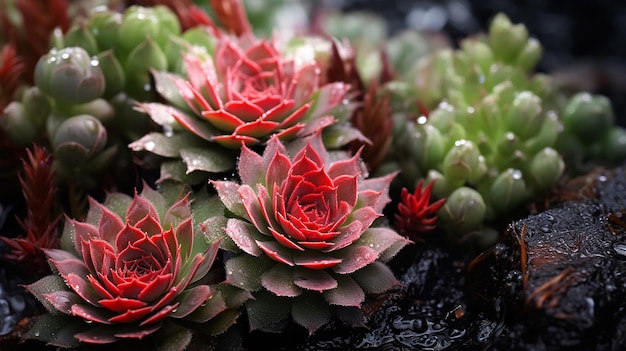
(302, 236)
(244, 93)
(133, 267)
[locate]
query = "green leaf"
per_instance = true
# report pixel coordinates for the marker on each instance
(245, 271)
(375, 278)
(172, 337)
(310, 311)
(209, 309)
(212, 228)
(47, 285)
(176, 170)
(208, 159)
(166, 146)
(268, 312)
(337, 135)
(166, 87)
(56, 330)
(118, 203)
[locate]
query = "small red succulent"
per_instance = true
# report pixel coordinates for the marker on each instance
(416, 214)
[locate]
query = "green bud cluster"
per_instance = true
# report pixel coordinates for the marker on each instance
(86, 86)
(590, 131)
(129, 44)
(490, 136)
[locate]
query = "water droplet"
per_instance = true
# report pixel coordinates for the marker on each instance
(175, 310)
(516, 174)
(168, 131)
(88, 321)
(422, 120)
(460, 142)
(65, 55)
(149, 145)
(94, 62)
(36, 332)
(470, 109)
(196, 162)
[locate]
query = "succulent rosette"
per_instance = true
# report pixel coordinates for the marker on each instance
(302, 234)
(244, 93)
(130, 269)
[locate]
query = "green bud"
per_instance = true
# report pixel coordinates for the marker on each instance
(441, 187)
(613, 145)
(488, 115)
(588, 116)
(173, 52)
(145, 56)
(463, 211)
(140, 23)
(79, 139)
(548, 134)
(70, 75)
(427, 145)
(461, 161)
(506, 39)
(508, 144)
(529, 55)
(545, 168)
(57, 40)
(17, 125)
(525, 117)
(113, 73)
(508, 190)
(479, 52)
(99, 108)
(201, 37)
(443, 117)
(80, 35)
(37, 106)
(104, 25)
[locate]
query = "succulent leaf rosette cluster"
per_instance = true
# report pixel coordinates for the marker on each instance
(244, 93)
(131, 268)
(302, 231)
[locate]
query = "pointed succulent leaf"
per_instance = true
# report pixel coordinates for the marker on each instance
(245, 272)
(347, 292)
(279, 280)
(207, 159)
(267, 312)
(375, 278)
(311, 311)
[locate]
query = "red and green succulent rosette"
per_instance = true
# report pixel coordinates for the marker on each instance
(135, 266)
(302, 234)
(244, 93)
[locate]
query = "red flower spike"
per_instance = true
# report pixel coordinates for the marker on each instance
(416, 215)
(38, 188)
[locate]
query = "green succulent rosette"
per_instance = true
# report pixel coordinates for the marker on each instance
(136, 268)
(300, 229)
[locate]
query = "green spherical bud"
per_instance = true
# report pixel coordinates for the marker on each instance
(37, 106)
(463, 211)
(99, 108)
(508, 144)
(547, 136)
(113, 73)
(144, 57)
(545, 168)
(80, 35)
(79, 139)
(140, 23)
(427, 145)
(613, 145)
(201, 37)
(529, 55)
(104, 25)
(508, 190)
(70, 75)
(479, 52)
(462, 161)
(442, 117)
(525, 117)
(17, 125)
(588, 116)
(506, 39)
